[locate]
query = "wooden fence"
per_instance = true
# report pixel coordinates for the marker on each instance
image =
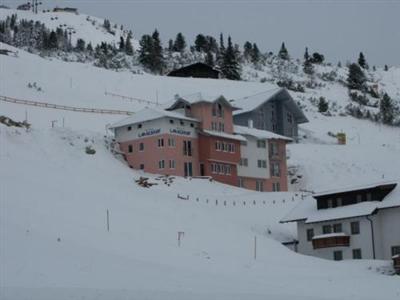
(65, 107)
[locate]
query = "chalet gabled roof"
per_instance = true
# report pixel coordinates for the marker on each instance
(197, 98)
(307, 210)
(251, 103)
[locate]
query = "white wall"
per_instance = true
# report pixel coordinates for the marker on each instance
(253, 154)
(122, 134)
(386, 232)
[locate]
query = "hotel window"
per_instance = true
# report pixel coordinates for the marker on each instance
(275, 171)
(187, 148)
(337, 255)
(191, 125)
(337, 227)
(218, 145)
(395, 250)
(182, 123)
(276, 187)
(289, 117)
(274, 148)
(233, 148)
(244, 162)
(259, 185)
(339, 202)
(220, 110)
(141, 146)
(171, 121)
(330, 203)
(240, 182)
(130, 148)
(171, 142)
(161, 164)
(355, 227)
(172, 164)
(141, 167)
(160, 143)
(310, 234)
(214, 126)
(129, 128)
(221, 127)
(139, 126)
(261, 144)
(228, 170)
(262, 163)
(326, 229)
(357, 254)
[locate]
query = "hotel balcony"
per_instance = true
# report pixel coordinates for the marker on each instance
(339, 239)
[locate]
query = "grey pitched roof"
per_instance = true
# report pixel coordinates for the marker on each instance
(253, 102)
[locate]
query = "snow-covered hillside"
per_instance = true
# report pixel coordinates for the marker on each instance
(54, 203)
(82, 26)
(54, 197)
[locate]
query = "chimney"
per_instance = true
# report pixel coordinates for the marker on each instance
(250, 123)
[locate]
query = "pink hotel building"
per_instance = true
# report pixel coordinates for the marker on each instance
(195, 136)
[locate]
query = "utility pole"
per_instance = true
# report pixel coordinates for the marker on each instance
(108, 221)
(255, 247)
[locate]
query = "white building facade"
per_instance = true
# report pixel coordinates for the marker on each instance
(366, 228)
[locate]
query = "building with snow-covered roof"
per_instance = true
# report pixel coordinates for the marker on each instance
(274, 110)
(196, 70)
(350, 223)
(195, 136)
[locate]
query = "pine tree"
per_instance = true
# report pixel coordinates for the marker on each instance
(157, 53)
(53, 43)
(247, 50)
(255, 54)
(180, 43)
(107, 25)
(386, 68)
(128, 45)
(145, 51)
(306, 55)
(230, 65)
(356, 78)
(308, 67)
(361, 61)
(323, 105)
(80, 45)
(121, 44)
(170, 45)
(386, 109)
(200, 43)
(283, 53)
(89, 48)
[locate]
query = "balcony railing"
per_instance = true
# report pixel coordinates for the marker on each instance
(331, 240)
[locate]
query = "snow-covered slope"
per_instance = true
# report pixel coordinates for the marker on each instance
(54, 203)
(82, 26)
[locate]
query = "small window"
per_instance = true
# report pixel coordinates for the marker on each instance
(171, 142)
(259, 185)
(369, 197)
(182, 123)
(395, 250)
(326, 229)
(129, 128)
(310, 234)
(241, 182)
(337, 227)
(171, 121)
(339, 202)
(355, 227)
(161, 164)
(141, 167)
(191, 125)
(276, 187)
(141, 147)
(160, 143)
(130, 148)
(357, 254)
(139, 126)
(262, 163)
(261, 144)
(275, 170)
(337, 255)
(358, 198)
(172, 164)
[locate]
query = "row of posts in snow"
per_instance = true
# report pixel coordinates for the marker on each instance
(217, 202)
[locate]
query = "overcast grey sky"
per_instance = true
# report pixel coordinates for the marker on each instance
(339, 29)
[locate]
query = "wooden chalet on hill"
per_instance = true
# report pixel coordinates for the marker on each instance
(196, 70)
